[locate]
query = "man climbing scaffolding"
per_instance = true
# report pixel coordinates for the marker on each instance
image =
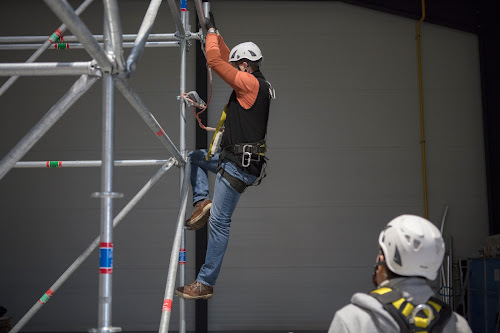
(239, 163)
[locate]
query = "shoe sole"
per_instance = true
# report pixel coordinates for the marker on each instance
(185, 296)
(200, 221)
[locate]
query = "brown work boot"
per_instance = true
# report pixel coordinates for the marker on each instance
(200, 215)
(195, 290)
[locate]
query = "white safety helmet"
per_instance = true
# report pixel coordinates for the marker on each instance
(246, 50)
(412, 246)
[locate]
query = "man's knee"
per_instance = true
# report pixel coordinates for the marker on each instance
(196, 156)
(219, 223)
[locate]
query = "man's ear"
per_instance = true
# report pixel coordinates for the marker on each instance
(380, 257)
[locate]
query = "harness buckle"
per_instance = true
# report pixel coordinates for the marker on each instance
(246, 157)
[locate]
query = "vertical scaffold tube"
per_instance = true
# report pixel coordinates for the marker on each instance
(174, 256)
(106, 241)
(74, 266)
(182, 147)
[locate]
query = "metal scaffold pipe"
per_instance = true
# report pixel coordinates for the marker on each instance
(99, 38)
(66, 14)
(143, 34)
(174, 256)
(177, 18)
(77, 46)
(49, 69)
(49, 119)
(112, 19)
(182, 147)
(143, 111)
(81, 259)
(201, 16)
(42, 48)
(85, 164)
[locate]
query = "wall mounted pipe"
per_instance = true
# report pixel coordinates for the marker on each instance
(421, 100)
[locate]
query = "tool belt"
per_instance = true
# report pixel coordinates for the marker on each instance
(235, 183)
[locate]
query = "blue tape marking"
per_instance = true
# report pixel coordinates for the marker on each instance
(182, 257)
(106, 259)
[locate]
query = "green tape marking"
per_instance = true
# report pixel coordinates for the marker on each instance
(44, 299)
(62, 46)
(54, 164)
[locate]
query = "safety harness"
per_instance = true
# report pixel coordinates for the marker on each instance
(249, 152)
(430, 317)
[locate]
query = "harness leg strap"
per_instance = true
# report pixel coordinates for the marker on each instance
(235, 183)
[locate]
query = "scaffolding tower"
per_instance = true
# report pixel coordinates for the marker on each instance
(110, 66)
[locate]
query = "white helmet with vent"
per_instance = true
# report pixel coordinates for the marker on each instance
(246, 50)
(412, 246)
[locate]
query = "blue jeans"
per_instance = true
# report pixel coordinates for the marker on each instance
(224, 202)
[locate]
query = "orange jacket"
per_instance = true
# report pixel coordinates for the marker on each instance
(244, 84)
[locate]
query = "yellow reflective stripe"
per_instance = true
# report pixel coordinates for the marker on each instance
(435, 305)
(421, 332)
(381, 291)
(397, 304)
(407, 310)
(421, 322)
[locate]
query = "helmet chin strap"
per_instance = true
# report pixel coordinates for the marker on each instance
(375, 268)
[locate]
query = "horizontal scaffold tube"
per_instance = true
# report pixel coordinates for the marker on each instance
(99, 38)
(49, 69)
(75, 46)
(86, 164)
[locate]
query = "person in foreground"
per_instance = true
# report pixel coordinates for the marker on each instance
(411, 253)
